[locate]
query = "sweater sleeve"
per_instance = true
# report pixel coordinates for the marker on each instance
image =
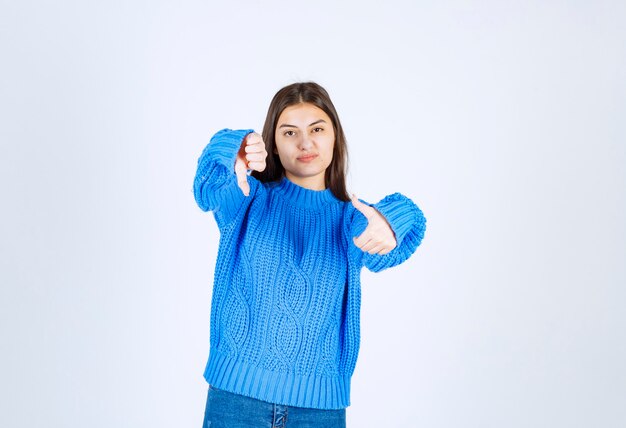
(215, 184)
(408, 224)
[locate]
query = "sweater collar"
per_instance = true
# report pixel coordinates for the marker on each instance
(302, 196)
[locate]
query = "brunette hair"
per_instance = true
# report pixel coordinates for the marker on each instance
(312, 93)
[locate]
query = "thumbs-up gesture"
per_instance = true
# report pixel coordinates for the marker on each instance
(378, 237)
(251, 156)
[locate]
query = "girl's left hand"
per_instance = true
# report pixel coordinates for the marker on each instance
(378, 237)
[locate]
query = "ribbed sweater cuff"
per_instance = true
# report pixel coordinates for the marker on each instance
(401, 213)
(225, 144)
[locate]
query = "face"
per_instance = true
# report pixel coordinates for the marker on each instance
(304, 141)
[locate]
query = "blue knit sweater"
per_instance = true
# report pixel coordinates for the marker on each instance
(286, 293)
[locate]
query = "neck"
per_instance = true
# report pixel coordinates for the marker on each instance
(311, 183)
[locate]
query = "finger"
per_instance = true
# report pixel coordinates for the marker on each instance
(257, 166)
(375, 249)
(255, 147)
(363, 208)
(253, 138)
(255, 157)
(360, 240)
(370, 245)
(242, 177)
(363, 239)
(384, 250)
(381, 249)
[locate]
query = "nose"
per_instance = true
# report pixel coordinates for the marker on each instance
(305, 143)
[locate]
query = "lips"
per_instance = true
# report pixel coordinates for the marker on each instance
(307, 158)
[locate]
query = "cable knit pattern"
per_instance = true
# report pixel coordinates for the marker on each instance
(286, 298)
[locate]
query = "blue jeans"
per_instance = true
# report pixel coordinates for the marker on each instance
(225, 409)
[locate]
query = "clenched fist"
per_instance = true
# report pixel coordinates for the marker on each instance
(251, 156)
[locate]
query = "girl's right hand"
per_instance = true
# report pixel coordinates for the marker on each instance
(251, 156)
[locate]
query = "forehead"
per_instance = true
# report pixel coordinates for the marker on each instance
(302, 115)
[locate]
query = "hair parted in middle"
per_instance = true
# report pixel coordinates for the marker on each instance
(300, 93)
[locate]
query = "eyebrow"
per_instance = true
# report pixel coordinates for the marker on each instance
(285, 125)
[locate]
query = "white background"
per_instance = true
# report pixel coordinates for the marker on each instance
(504, 121)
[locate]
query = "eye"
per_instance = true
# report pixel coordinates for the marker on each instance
(289, 133)
(318, 129)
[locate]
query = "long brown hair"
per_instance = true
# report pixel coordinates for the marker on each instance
(312, 93)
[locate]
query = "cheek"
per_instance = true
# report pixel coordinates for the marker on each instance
(278, 146)
(281, 151)
(330, 149)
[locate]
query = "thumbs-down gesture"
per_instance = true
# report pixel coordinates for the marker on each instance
(251, 156)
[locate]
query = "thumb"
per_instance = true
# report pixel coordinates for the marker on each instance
(363, 208)
(242, 176)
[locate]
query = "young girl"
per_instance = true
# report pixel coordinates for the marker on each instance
(286, 294)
